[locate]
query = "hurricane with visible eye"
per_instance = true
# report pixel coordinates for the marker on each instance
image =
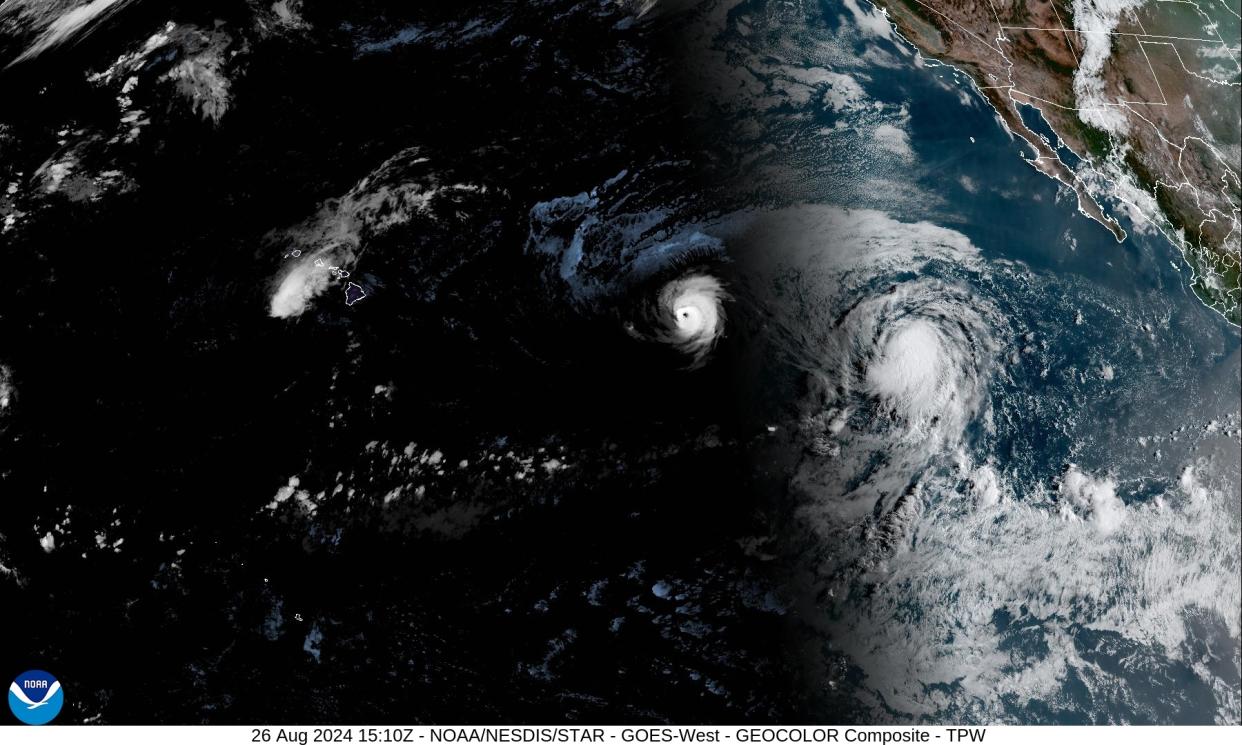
(687, 314)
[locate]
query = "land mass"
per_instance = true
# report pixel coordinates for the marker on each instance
(1135, 107)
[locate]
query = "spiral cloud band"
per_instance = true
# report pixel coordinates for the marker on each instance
(687, 314)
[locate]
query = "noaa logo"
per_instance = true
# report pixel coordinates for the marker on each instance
(36, 697)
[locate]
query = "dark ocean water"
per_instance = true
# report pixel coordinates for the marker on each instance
(478, 494)
(1110, 392)
(159, 410)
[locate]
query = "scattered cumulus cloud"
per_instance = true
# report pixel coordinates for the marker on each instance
(893, 139)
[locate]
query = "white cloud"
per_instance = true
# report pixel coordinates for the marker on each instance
(202, 80)
(985, 486)
(893, 139)
(288, 13)
(1099, 19)
(399, 190)
(1190, 485)
(200, 72)
(843, 92)
(6, 388)
(68, 24)
(1021, 560)
(872, 22)
(304, 282)
(1094, 498)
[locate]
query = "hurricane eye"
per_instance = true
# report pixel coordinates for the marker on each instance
(686, 314)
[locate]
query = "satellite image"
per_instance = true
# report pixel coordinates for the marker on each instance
(623, 361)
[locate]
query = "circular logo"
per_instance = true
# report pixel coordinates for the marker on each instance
(36, 697)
